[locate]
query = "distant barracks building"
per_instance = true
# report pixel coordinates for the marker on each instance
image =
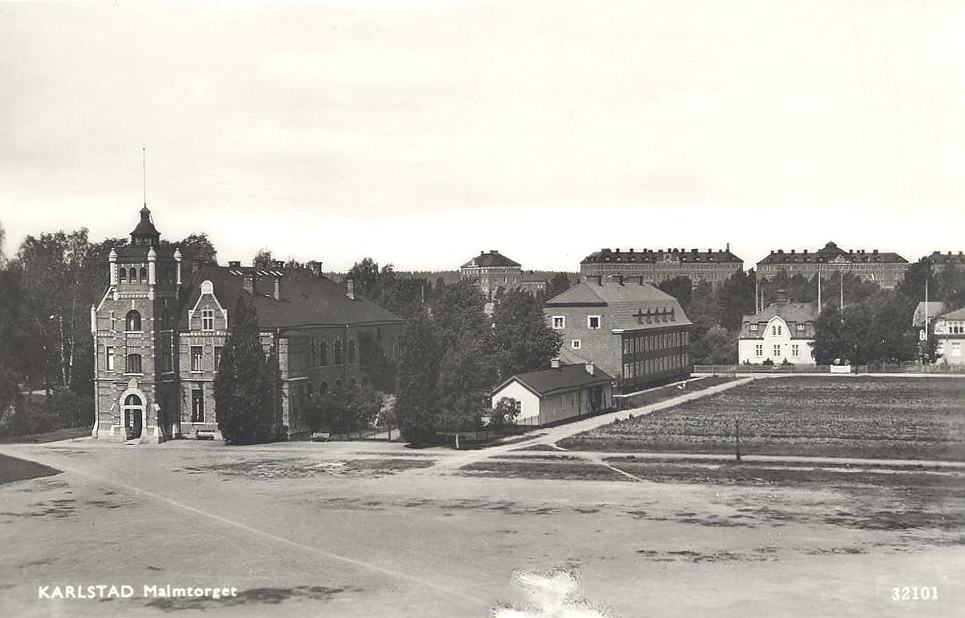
(159, 332)
(626, 327)
(885, 269)
(493, 270)
(939, 261)
(660, 265)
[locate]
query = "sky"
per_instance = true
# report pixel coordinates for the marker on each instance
(421, 133)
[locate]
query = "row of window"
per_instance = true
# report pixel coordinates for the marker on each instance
(658, 341)
(133, 360)
(776, 350)
(319, 353)
(777, 330)
(592, 322)
(956, 328)
(649, 366)
(165, 274)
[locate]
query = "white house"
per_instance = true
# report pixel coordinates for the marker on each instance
(950, 332)
(781, 332)
(558, 394)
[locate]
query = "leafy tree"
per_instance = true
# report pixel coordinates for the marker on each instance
(407, 297)
(263, 259)
(522, 339)
(417, 402)
(558, 284)
(735, 299)
(951, 285)
(376, 365)
(242, 387)
(196, 248)
(912, 286)
(504, 413)
(718, 346)
(872, 331)
(680, 288)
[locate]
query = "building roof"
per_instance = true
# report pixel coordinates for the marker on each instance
(629, 303)
(935, 309)
(492, 259)
(832, 253)
(791, 313)
(939, 258)
(304, 299)
(564, 378)
(661, 255)
(958, 314)
(145, 227)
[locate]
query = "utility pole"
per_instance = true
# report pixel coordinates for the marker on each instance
(737, 435)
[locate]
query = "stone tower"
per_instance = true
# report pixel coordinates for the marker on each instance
(135, 347)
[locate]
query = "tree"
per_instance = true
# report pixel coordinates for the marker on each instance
(558, 284)
(375, 364)
(263, 259)
(242, 386)
(417, 401)
(504, 413)
(718, 346)
(680, 288)
(951, 286)
(735, 299)
(522, 339)
(407, 297)
(196, 248)
(872, 331)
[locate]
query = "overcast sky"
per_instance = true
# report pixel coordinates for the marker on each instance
(421, 133)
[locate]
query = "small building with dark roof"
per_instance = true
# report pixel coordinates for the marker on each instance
(884, 268)
(628, 328)
(159, 332)
(657, 265)
(558, 394)
(782, 332)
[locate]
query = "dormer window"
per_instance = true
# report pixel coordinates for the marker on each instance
(133, 321)
(754, 328)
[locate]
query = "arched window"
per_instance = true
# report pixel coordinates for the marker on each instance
(133, 321)
(122, 274)
(351, 351)
(323, 388)
(351, 383)
(310, 391)
(133, 363)
(143, 275)
(323, 353)
(338, 351)
(133, 275)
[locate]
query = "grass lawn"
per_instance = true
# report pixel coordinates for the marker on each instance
(867, 417)
(50, 436)
(13, 469)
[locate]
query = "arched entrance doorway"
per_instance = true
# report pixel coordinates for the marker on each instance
(133, 415)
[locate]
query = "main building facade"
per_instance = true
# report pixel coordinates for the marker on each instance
(159, 331)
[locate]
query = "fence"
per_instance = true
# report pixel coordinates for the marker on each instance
(887, 368)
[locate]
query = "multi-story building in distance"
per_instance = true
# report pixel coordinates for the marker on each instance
(656, 265)
(939, 260)
(884, 268)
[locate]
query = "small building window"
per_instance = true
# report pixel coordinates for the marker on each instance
(122, 274)
(753, 328)
(143, 275)
(338, 351)
(109, 357)
(593, 322)
(133, 363)
(795, 350)
(217, 356)
(759, 350)
(133, 321)
(575, 344)
(559, 322)
(351, 351)
(777, 350)
(197, 406)
(197, 357)
(323, 353)
(207, 319)
(133, 275)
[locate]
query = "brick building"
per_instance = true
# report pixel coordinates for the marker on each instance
(159, 331)
(491, 271)
(660, 265)
(626, 327)
(884, 268)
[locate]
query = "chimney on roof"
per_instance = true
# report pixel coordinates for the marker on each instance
(555, 363)
(249, 283)
(350, 289)
(728, 247)
(590, 368)
(234, 264)
(276, 292)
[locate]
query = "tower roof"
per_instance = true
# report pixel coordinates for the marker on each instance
(145, 233)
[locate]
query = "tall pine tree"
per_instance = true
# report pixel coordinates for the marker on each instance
(242, 386)
(417, 402)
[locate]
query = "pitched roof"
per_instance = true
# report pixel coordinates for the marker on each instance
(628, 303)
(490, 260)
(831, 253)
(566, 377)
(939, 258)
(935, 309)
(660, 255)
(304, 299)
(958, 314)
(791, 313)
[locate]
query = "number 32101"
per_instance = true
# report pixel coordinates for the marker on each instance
(914, 593)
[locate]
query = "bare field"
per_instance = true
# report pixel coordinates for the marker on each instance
(857, 417)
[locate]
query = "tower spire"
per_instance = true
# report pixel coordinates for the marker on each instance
(144, 172)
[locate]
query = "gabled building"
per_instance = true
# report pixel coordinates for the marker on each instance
(491, 271)
(558, 394)
(656, 265)
(782, 332)
(628, 328)
(949, 330)
(884, 268)
(159, 332)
